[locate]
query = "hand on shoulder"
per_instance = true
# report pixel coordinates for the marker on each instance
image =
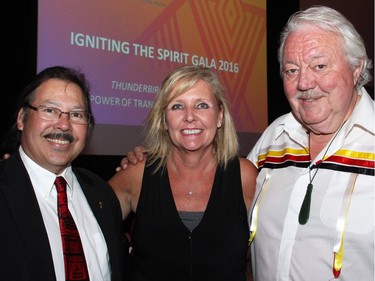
(5, 156)
(133, 157)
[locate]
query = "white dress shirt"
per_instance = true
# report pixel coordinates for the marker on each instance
(93, 242)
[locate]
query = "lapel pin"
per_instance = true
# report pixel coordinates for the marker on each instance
(100, 204)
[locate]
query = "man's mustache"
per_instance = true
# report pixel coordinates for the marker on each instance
(306, 95)
(60, 136)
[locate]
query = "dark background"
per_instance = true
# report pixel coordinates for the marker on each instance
(19, 40)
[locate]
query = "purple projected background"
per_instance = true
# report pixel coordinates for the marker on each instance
(126, 48)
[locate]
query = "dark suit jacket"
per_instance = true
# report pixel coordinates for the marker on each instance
(25, 252)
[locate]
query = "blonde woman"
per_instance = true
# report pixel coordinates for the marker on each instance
(192, 194)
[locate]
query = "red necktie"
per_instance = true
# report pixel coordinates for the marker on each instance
(74, 258)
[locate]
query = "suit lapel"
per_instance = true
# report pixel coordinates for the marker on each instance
(102, 210)
(96, 200)
(25, 209)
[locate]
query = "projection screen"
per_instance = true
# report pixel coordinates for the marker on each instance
(127, 47)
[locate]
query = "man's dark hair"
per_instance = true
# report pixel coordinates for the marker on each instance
(70, 75)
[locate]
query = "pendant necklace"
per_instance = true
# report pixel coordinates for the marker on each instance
(304, 212)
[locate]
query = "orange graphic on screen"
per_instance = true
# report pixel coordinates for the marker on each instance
(225, 35)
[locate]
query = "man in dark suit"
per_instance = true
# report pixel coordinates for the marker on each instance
(53, 124)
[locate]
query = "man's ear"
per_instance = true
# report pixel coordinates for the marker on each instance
(357, 72)
(20, 119)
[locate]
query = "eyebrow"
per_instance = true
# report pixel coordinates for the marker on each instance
(52, 103)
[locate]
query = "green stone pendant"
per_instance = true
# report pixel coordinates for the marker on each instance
(304, 213)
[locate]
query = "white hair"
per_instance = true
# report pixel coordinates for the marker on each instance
(331, 20)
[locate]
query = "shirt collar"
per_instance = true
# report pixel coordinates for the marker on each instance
(42, 179)
(363, 112)
(293, 128)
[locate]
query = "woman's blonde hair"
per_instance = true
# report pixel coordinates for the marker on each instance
(158, 143)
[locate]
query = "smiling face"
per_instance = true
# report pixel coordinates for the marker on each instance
(193, 118)
(318, 80)
(53, 144)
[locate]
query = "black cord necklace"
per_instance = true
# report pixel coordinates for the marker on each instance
(304, 212)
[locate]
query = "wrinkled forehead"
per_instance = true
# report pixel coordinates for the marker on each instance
(313, 42)
(312, 33)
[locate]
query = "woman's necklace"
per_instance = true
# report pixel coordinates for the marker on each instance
(304, 212)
